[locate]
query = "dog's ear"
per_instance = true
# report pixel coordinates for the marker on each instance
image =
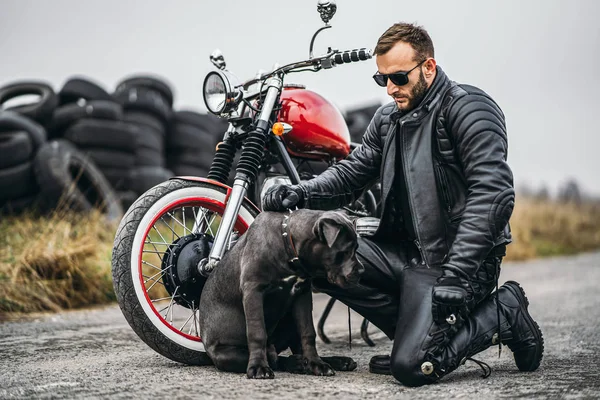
(327, 230)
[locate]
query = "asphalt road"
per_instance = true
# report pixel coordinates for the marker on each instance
(94, 353)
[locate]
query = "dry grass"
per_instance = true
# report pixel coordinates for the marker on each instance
(56, 262)
(63, 261)
(547, 228)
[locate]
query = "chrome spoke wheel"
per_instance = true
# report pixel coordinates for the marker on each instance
(159, 243)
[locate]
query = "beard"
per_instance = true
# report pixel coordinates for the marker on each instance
(417, 94)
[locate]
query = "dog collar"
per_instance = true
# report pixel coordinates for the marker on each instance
(294, 259)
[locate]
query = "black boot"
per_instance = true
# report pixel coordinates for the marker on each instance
(526, 341)
(380, 365)
(482, 284)
(517, 330)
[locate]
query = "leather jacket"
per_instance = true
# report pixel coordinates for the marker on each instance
(453, 147)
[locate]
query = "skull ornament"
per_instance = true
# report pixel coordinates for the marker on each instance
(216, 57)
(326, 9)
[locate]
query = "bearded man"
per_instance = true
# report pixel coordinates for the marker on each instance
(447, 195)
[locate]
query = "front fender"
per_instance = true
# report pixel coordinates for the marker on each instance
(216, 183)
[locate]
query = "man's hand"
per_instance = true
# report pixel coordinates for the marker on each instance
(283, 197)
(451, 294)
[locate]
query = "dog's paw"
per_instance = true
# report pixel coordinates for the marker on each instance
(339, 363)
(318, 368)
(259, 371)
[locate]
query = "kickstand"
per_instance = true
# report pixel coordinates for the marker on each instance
(364, 334)
(321, 323)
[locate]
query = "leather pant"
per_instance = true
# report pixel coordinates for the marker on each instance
(395, 294)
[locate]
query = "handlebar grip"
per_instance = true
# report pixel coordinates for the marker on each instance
(349, 56)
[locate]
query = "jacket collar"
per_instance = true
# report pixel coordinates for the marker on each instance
(433, 95)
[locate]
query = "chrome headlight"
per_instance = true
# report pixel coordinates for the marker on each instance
(220, 95)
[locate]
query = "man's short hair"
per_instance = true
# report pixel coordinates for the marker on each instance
(412, 34)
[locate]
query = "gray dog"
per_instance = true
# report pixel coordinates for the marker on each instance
(258, 301)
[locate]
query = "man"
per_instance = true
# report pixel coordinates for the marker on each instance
(447, 195)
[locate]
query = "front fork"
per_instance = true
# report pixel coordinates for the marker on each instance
(240, 185)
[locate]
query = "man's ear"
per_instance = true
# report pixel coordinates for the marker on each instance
(327, 230)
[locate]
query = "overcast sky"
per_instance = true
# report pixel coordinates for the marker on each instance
(537, 58)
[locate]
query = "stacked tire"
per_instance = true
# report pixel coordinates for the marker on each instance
(147, 105)
(48, 174)
(39, 111)
(73, 181)
(92, 120)
(20, 137)
(191, 142)
(358, 120)
(81, 98)
(123, 134)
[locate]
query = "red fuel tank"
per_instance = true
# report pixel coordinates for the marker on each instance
(319, 129)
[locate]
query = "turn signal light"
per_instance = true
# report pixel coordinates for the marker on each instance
(278, 128)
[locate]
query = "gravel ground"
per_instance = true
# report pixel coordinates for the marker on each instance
(94, 354)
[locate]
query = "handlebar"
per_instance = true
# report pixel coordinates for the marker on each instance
(329, 60)
(349, 56)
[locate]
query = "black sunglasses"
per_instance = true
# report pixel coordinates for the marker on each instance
(397, 78)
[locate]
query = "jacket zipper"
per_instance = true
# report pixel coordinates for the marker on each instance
(456, 218)
(417, 241)
(418, 244)
(444, 184)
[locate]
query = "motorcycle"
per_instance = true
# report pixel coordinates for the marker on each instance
(176, 233)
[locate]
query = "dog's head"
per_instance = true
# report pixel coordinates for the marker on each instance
(336, 249)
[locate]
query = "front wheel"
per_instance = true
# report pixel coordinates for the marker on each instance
(157, 246)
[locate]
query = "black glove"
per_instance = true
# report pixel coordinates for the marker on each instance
(450, 298)
(283, 197)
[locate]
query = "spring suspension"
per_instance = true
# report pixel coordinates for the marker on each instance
(252, 154)
(223, 160)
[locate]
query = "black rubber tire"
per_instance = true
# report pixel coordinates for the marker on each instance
(150, 139)
(358, 120)
(151, 148)
(188, 170)
(77, 88)
(40, 111)
(184, 136)
(18, 181)
(119, 178)
(145, 120)
(146, 157)
(16, 206)
(104, 158)
(12, 121)
(149, 82)
(207, 122)
(64, 172)
(67, 115)
(201, 158)
(143, 178)
(123, 280)
(15, 148)
(139, 98)
(116, 135)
